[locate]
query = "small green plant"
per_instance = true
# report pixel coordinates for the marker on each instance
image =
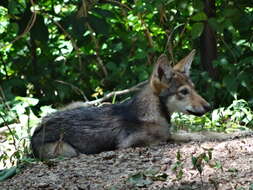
(7, 173)
(199, 161)
(203, 159)
(237, 116)
(139, 180)
(147, 177)
(178, 166)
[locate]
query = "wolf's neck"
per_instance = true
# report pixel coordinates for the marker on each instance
(148, 107)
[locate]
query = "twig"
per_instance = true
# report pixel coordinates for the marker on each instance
(74, 88)
(11, 126)
(4, 99)
(169, 46)
(115, 93)
(230, 50)
(28, 27)
(11, 132)
(146, 31)
(71, 39)
(5, 67)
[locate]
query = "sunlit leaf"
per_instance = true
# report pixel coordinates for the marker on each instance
(28, 100)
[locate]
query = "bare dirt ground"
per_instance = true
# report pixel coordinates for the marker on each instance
(145, 168)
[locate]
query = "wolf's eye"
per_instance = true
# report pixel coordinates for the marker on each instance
(184, 91)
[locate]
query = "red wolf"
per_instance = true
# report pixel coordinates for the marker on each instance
(141, 121)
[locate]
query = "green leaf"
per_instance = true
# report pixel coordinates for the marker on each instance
(103, 13)
(7, 173)
(199, 168)
(218, 165)
(215, 25)
(194, 161)
(197, 30)
(28, 100)
(152, 171)
(13, 7)
(180, 174)
(19, 109)
(231, 12)
(206, 158)
(198, 4)
(45, 110)
(139, 180)
(178, 155)
(232, 170)
(201, 16)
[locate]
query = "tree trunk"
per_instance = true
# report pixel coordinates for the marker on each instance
(208, 46)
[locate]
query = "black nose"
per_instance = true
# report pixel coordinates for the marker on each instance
(207, 107)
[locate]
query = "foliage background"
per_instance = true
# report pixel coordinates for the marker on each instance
(65, 50)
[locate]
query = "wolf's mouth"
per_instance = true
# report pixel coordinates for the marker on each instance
(195, 113)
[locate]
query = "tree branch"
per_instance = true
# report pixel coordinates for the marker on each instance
(77, 49)
(11, 132)
(74, 88)
(84, 12)
(115, 93)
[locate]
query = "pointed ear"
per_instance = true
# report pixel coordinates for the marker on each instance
(162, 71)
(184, 65)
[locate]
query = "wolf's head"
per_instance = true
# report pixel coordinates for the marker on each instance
(175, 88)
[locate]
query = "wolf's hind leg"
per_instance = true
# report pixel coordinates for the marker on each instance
(52, 150)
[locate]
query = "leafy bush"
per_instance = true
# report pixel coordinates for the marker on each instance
(71, 48)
